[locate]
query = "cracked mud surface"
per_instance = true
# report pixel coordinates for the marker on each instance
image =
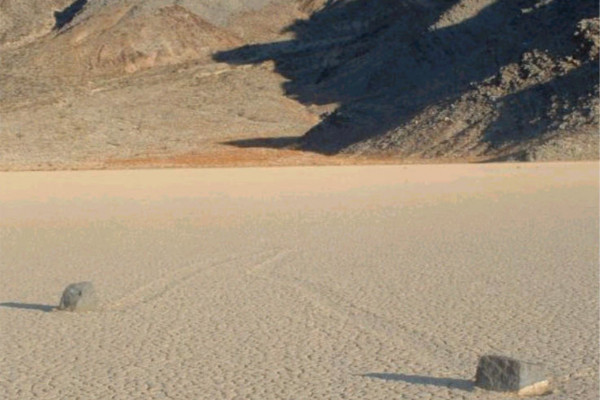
(287, 283)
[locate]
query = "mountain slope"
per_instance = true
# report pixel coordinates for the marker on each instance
(134, 79)
(450, 79)
(93, 81)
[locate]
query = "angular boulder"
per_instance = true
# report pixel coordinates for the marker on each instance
(79, 296)
(506, 374)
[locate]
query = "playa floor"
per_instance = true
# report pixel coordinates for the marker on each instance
(357, 282)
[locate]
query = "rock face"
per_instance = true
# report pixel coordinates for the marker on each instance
(470, 78)
(79, 296)
(587, 36)
(509, 375)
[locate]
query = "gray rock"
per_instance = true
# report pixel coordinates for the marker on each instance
(506, 374)
(79, 297)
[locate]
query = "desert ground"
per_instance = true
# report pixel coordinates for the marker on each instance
(353, 282)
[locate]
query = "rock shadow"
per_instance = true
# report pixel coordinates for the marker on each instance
(452, 383)
(28, 306)
(385, 61)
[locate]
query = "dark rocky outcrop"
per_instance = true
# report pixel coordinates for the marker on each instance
(448, 79)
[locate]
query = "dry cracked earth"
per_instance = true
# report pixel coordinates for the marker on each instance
(245, 284)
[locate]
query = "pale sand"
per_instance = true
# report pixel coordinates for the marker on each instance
(380, 282)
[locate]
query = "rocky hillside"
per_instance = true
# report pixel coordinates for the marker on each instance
(511, 79)
(88, 83)
(112, 83)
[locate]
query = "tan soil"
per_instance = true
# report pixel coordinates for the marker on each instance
(356, 282)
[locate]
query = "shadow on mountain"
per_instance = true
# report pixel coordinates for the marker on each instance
(66, 15)
(271, 142)
(524, 115)
(385, 61)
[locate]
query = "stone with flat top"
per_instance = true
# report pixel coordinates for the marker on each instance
(507, 374)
